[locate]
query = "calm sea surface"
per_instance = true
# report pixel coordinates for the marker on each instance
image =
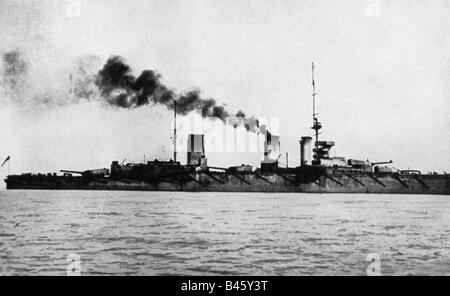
(159, 233)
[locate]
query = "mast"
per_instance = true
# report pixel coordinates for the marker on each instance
(175, 130)
(313, 93)
(318, 150)
(316, 124)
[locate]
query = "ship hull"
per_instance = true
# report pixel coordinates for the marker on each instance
(222, 182)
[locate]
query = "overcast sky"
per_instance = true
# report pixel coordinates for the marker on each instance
(383, 71)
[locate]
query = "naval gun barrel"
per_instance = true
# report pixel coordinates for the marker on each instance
(382, 162)
(72, 172)
(88, 173)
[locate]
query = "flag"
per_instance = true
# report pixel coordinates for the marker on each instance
(6, 160)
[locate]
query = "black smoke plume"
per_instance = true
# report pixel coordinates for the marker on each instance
(120, 88)
(116, 85)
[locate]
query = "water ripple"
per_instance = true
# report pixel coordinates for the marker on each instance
(160, 233)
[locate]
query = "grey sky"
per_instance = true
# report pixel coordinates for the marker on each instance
(383, 79)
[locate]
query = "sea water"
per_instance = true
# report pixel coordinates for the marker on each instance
(178, 233)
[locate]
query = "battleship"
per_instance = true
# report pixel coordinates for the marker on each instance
(317, 172)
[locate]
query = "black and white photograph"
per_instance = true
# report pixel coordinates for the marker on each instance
(224, 139)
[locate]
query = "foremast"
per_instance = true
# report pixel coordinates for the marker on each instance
(321, 148)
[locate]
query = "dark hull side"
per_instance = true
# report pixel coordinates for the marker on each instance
(222, 182)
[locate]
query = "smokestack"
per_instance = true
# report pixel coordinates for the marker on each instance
(305, 151)
(271, 148)
(195, 149)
